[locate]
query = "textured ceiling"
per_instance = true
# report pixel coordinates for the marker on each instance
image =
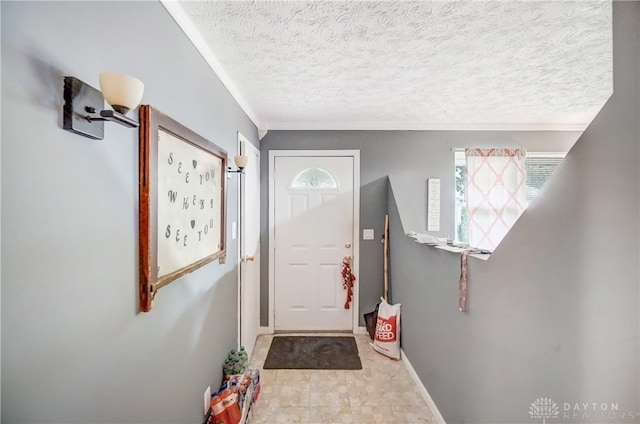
(412, 65)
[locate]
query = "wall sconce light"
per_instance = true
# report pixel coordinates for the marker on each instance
(241, 162)
(83, 111)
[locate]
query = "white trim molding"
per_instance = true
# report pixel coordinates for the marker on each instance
(355, 154)
(362, 330)
(262, 132)
(437, 416)
(423, 126)
(184, 22)
(264, 331)
(238, 217)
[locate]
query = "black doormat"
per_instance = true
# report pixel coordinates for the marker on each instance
(313, 353)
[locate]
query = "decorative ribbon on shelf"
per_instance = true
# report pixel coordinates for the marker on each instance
(347, 280)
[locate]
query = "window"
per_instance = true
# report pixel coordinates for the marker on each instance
(461, 234)
(314, 178)
(538, 169)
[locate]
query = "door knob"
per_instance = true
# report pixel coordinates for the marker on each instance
(347, 245)
(249, 258)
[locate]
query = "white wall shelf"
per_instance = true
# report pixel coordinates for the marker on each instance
(447, 247)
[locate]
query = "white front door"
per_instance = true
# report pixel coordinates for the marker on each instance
(313, 231)
(249, 247)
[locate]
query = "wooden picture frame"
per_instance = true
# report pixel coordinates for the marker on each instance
(182, 199)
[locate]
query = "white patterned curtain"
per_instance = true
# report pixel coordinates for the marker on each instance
(496, 193)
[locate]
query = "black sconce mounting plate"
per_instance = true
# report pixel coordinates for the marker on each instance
(82, 100)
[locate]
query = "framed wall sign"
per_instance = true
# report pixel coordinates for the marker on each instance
(433, 204)
(182, 202)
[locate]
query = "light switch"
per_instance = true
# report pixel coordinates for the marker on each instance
(368, 234)
(234, 230)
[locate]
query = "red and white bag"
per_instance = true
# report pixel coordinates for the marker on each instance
(387, 337)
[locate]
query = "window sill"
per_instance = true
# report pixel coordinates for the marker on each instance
(438, 243)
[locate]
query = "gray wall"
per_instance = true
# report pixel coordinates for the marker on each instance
(554, 312)
(74, 348)
(412, 156)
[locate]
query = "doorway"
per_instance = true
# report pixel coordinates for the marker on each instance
(249, 287)
(314, 226)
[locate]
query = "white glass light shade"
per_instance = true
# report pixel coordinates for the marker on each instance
(241, 161)
(123, 92)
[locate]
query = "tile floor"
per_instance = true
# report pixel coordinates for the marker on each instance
(382, 392)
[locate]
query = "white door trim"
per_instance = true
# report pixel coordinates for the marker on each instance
(239, 141)
(240, 237)
(355, 154)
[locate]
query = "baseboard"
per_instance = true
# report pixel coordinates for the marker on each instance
(268, 330)
(423, 390)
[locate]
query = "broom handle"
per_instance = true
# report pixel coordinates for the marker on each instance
(386, 258)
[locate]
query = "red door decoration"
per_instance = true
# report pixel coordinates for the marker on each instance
(347, 280)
